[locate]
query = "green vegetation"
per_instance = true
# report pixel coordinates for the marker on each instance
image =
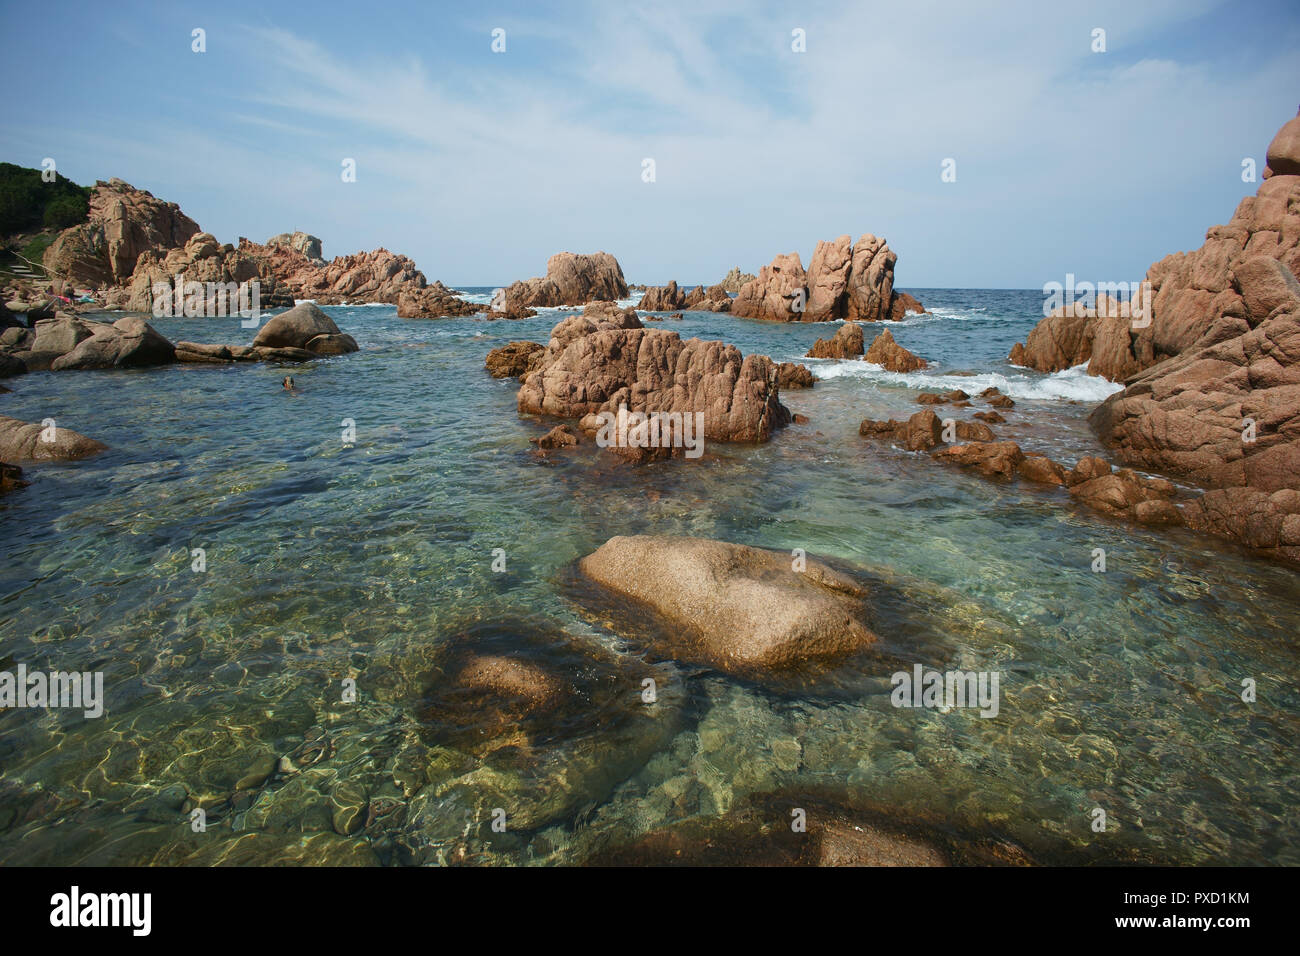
(35, 249)
(28, 203)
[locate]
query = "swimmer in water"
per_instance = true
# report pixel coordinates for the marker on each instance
(288, 383)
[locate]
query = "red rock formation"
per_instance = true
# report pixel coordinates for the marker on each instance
(888, 354)
(1198, 297)
(571, 280)
(844, 281)
(846, 343)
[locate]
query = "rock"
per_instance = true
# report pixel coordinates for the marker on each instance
(1041, 469)
(903, 304)
(1265, 284)
(922, 431)
(11, 477)
(991, 459)
(1284, 152)
(1002, 401)
(1227, 415)
(127, 343)
(794, 375)
(515, 359)
(300, 242)
(1268, 523)
(932, 398)
(1119, 493)
(593, 366)
(10, 366)
(846, 343)
(734, 279)
(891, 356)
(741, 608)
(561, 436)
(571, 280)
(23, 441)
(1198, 299)
(431, 302)
(337, 344)
(870, 290)
(664, 298)
(123, 223)
(295, 328)
(61, 334)
(777, 292)
(828, 281)
(993, 418)
(843, 282)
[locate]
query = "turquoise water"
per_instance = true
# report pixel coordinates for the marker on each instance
(1120, 690)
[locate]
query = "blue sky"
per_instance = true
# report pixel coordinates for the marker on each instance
(480, 165)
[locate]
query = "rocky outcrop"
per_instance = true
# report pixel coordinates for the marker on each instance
(844, 344)
(433, 302)
(845, 280)
(669, 298)
(26, 441)
(127, 343)
(734, 279)
(123, 223)
(200, 259)
(888, 354)
(304, 327)
(68, 342)
(1197, 298)
(923, 431)
(737, 608)
(605, 360)
(1267, 523)
(11, 478)
(794, 375)
(570, 280)
(515, 359)
(1123, 493)
(1225, 415)
(301, 242)
(778, 294)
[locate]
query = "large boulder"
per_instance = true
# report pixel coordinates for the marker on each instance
(571, 280)
(844, 344)
(870, 290)
(735, 279)
(889, 355)
(433, 302)
(515, 359)
(594, 367)
(828, 280)
(127, 343)
(777, 293)
(738, 608)
(299, 328)
(27, 441)
(301, 242)
(1283, 155)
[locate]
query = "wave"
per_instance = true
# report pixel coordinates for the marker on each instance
(1072, 384)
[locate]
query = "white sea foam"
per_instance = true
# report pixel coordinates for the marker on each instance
(1072, 384)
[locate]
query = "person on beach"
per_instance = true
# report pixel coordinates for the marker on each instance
(288, 383)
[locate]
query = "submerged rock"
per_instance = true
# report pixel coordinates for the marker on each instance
(739, 608)
(433, 302)
(24, 441)
(514, 360)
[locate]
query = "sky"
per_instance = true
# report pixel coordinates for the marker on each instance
(481, 164)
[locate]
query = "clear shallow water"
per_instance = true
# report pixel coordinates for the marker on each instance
(1119, 690)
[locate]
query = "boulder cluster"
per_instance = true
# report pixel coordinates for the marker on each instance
(845, 280)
